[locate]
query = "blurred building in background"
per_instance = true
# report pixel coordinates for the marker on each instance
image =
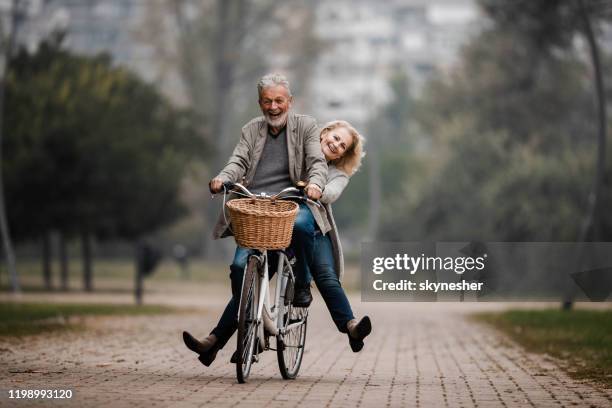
(92, 27)
(367, 42)
(364, 44)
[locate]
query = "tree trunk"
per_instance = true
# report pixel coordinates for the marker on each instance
(223, 76)
(138, 272)
(226, 57)
(4, 228)
(87, 266)
(46, 260)
(63, 256)
(375, 183)
(590, 230)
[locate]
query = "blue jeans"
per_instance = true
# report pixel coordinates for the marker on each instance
(302, 244)
(327, 282)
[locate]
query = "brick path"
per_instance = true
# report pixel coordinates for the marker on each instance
(421, 355)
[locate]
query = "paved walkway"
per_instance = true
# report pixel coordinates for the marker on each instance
(419, 355)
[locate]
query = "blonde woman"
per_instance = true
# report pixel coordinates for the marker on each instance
(342, 146)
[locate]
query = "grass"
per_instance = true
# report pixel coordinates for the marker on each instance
(113, 274)
(581, 339)
(18, 319)
(117, 275)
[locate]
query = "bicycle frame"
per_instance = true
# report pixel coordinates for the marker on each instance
(268, 313)
(270, 319)
(269, 316)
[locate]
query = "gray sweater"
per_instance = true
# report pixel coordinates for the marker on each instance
(272, 174)
(337, 181)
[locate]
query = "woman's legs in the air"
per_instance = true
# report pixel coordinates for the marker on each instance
(324, 274)
(327, 282)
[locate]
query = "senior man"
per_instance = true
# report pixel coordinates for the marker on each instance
(275, 151)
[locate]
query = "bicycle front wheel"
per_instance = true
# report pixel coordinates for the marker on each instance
(247, 320)
(290, 345)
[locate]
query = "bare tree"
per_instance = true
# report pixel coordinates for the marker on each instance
(4, 228)
(218, 49)
(590, 228)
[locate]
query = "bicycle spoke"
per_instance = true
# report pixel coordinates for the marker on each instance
(292, 341)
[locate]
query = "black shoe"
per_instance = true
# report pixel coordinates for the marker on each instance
(208, 357)
(356, 345)
(234, 359)
(207, 353)
(357, 331)
(302, 296)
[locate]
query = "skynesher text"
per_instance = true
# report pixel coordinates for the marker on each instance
(407, 285)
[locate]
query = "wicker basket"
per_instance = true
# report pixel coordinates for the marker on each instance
(261, 223)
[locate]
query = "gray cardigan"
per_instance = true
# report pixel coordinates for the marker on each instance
(337, 181)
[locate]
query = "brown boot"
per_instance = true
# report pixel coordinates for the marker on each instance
(357, 331)
(207, 348)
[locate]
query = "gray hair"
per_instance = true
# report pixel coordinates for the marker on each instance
(270, 80)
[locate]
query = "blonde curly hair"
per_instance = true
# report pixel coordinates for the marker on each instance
(351, 159)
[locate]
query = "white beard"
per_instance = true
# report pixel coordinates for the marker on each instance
(277, 123)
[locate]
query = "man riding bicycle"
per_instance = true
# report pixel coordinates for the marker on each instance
(274, 152)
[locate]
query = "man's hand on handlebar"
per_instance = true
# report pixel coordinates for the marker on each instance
(313, 191)
(216, 185)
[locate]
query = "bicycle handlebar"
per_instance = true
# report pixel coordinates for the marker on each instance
(240, 189)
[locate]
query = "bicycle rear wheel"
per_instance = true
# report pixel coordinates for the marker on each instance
(247, 320)
(290, 344)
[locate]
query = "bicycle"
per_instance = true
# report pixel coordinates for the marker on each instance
(258, 319)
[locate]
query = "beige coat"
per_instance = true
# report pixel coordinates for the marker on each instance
(306, 161)
(337, 181)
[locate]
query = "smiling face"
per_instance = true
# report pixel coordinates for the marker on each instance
(275, 102)
(335, 142)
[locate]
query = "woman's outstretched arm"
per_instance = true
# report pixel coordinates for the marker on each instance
(336, 183)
